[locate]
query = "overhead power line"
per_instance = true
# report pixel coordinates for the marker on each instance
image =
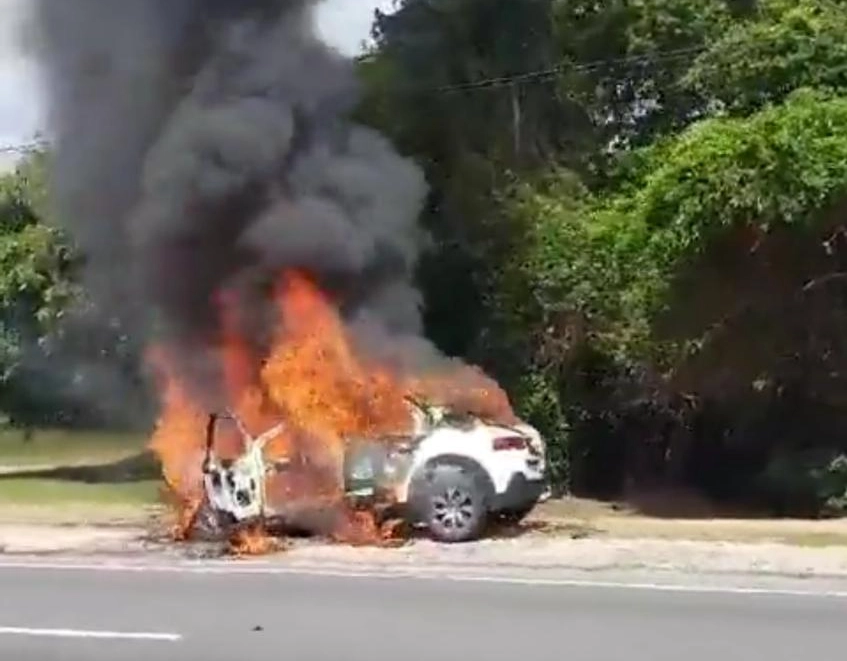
(550, 73)
(540, 75)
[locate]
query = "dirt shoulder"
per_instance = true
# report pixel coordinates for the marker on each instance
(580, 518)
(527, 552)
(532, 549)
(569, 535)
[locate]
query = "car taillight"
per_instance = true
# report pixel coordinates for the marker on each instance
(509, 443)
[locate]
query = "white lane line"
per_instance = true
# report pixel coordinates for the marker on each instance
(79, 633)
(397, 573)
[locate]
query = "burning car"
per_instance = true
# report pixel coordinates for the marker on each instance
(275, 245)
(451, 475)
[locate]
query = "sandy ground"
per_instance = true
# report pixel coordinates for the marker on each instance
(570, 518)
(566, 534)
(530, 548)
(579, 518)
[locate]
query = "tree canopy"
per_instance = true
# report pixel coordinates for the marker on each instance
(59, 362)
(637, 217)
(647, 197)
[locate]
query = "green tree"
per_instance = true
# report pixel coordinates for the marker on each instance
(717, 272)
(423, 89)
(786, 45)
(36, 287)
(659, 265)
(624, 61)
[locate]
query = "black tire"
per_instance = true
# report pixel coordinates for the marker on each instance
(454, 503)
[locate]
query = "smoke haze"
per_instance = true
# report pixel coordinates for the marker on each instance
(203, 143)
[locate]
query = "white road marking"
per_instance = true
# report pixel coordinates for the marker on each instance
(398, 573)
(79, 633)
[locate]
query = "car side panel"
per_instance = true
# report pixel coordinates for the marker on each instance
(476, 444)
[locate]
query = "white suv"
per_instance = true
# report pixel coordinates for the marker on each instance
(452, 475)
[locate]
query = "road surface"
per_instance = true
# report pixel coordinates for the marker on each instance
(50, 612)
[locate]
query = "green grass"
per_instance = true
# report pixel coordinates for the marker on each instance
(624, 523)
(35, 491)
(73, 476)
(62, 448)
(816, 540)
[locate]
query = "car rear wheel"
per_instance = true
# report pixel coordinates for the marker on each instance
(455, 504)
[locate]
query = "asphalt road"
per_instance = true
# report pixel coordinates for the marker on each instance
(49, 614)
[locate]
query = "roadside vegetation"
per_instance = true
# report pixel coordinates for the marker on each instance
(70, 495)
(75, 476)
(638, 222)
(20, 449)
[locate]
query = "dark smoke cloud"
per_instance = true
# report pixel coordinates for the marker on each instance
(203, 142)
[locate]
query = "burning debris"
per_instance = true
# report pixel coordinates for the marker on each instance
(226, 206)
(329, 400)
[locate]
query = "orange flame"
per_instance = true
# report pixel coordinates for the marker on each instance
(312, 379)
(251, 542)
(178, 442)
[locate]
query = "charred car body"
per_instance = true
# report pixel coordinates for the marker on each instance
(452, 475)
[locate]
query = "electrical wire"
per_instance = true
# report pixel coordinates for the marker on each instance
(544, 75)
(538, 76)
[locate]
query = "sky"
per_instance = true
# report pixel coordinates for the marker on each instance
(343, 23)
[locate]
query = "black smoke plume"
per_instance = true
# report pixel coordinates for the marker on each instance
(205, 143)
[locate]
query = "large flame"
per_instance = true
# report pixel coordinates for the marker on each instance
(313, 380)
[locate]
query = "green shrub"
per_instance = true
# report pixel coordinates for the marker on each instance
(811, 483)
(539, 403)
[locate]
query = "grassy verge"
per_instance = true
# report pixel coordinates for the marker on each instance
(47, 501)
(591, 518)
(40, 492)
(57, 476)
(63, 448)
